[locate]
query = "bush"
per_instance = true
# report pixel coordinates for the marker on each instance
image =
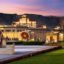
(27, 43)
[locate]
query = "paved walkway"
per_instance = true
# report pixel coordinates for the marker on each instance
(21, 51)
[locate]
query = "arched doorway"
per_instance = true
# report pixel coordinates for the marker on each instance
(51, 37)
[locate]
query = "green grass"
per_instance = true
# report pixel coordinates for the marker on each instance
(54, 57)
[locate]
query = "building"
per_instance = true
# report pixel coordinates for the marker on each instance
(27, 30)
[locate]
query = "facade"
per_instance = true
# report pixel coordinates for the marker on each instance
(26, 30)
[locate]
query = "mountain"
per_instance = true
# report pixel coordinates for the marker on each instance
(8, 18)
(50, 21)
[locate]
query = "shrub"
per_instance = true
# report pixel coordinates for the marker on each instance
(27, 43)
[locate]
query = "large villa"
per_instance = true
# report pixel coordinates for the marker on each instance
(27, 29)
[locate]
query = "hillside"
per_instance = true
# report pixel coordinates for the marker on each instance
(50, 21)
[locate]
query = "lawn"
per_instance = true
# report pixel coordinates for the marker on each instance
(54, 57)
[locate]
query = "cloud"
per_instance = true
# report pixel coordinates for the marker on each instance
(34, 8)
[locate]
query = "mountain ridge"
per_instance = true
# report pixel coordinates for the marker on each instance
(46, 20)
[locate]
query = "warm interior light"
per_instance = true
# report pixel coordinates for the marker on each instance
(61, 36)
(34, 24)
(57, 28)
(44, 27)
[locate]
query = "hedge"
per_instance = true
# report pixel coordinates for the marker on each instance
(26, 43)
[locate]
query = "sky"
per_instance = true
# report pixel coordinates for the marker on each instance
(41, 7)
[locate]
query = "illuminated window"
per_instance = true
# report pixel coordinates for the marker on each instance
(34, 24)
(57, 28)
(61, 36)
(44, 27)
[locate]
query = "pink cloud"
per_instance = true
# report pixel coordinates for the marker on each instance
(21, 9)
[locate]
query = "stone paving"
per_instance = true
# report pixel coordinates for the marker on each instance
(24, 50)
